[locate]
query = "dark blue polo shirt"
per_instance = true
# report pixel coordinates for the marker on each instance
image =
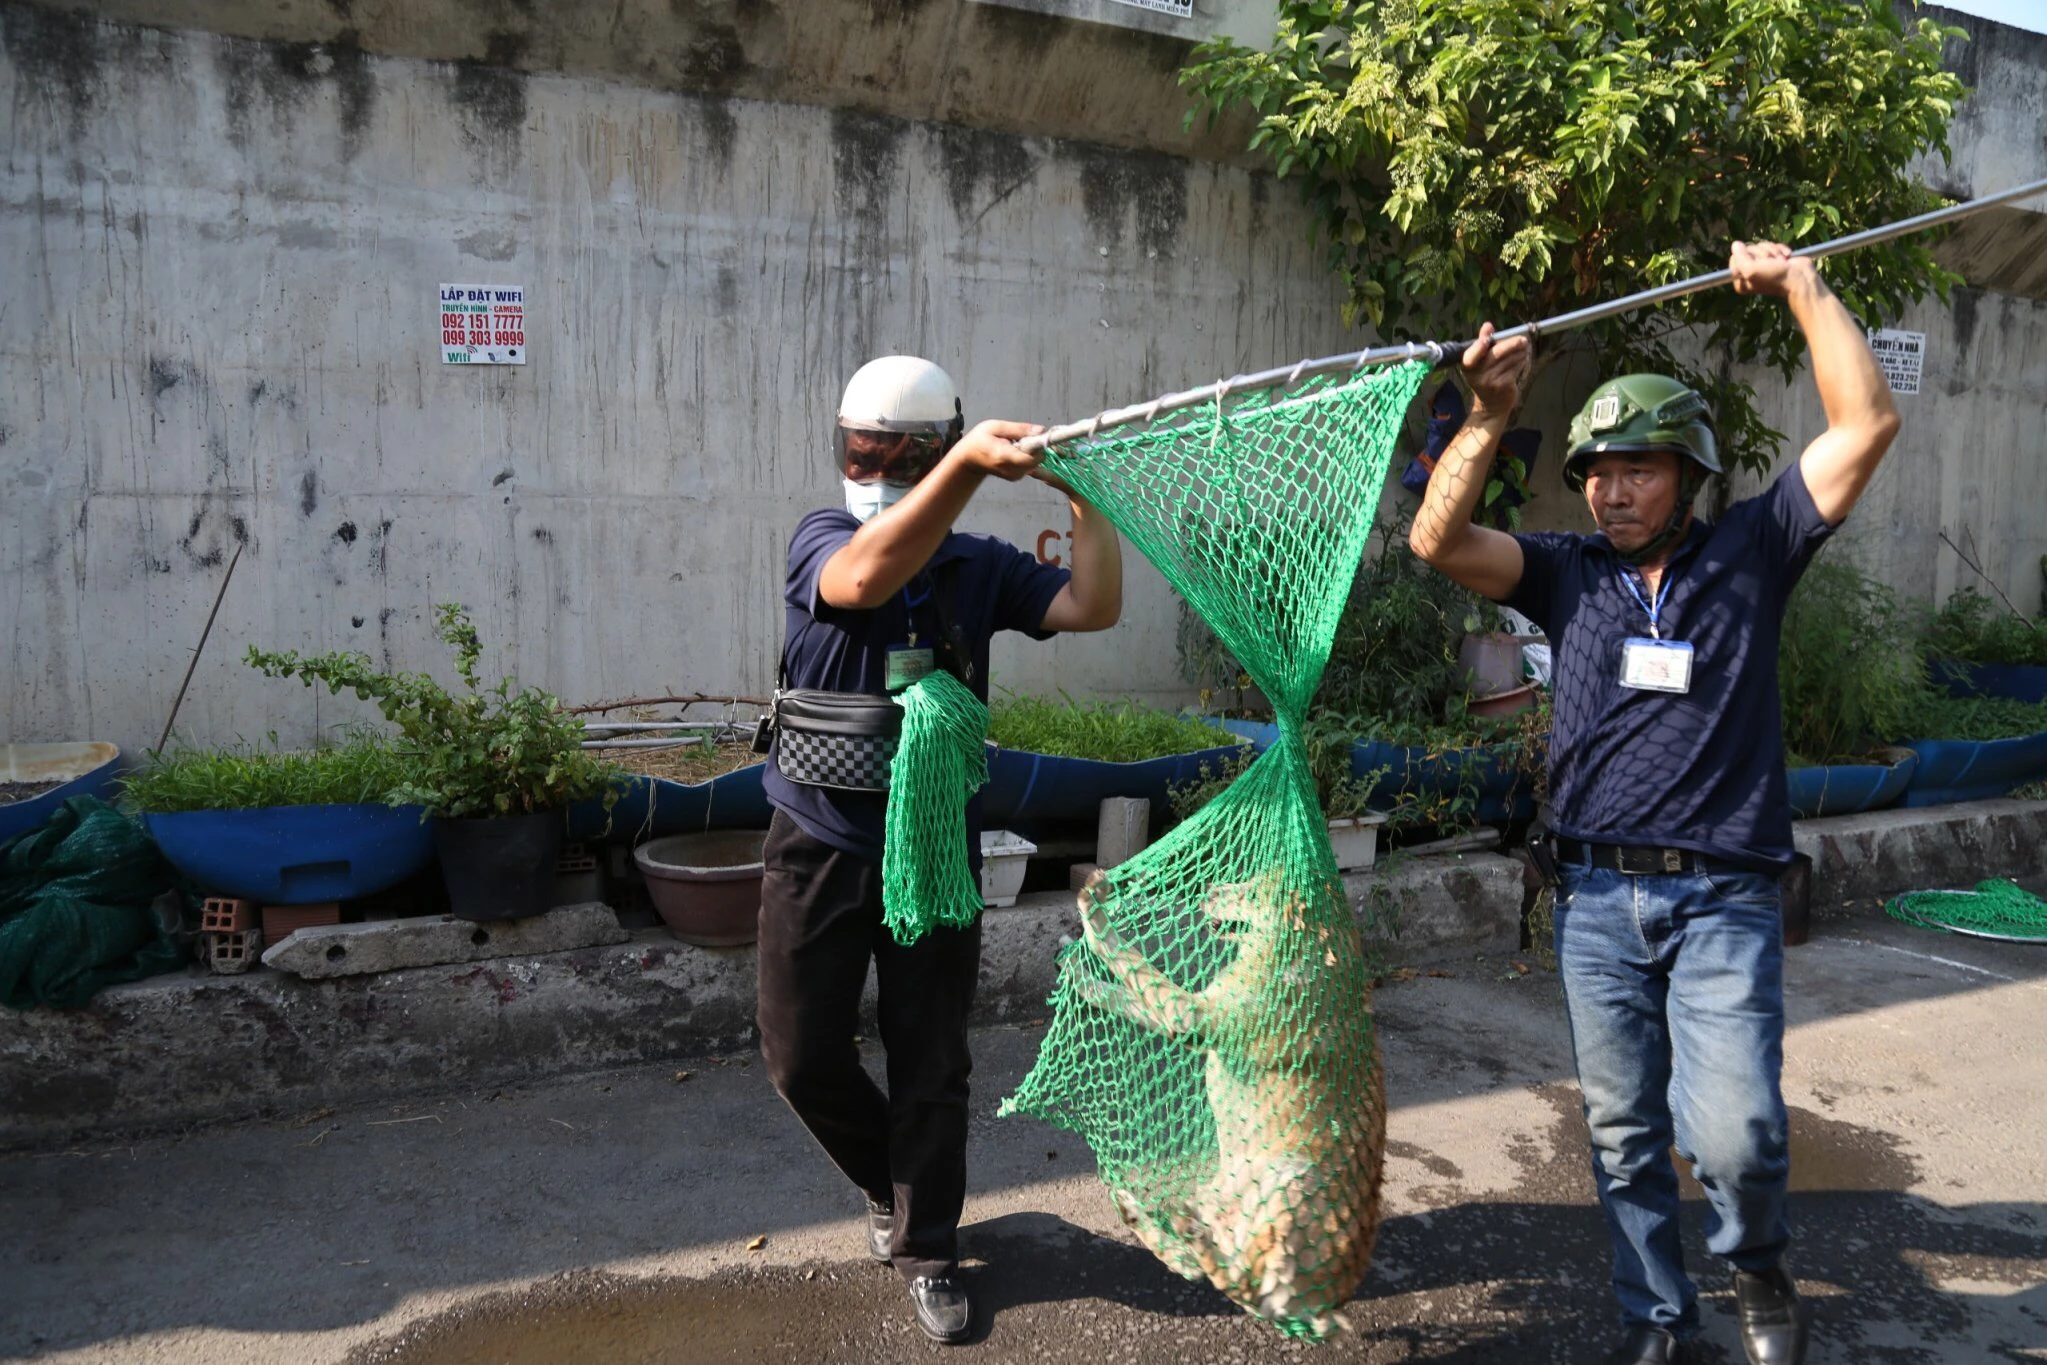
(1701, 770)
(995, 586)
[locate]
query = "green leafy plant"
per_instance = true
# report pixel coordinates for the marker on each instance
(1107, 731)
(1393, 672)
(479, 752)
(1850, 674)
(363, 769)
(1970, 626)
(1515, 159)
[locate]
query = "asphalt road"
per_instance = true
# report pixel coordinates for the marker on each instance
(609, 1218)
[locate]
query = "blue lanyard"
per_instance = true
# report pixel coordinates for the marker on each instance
(1654, 609)
(909, 613)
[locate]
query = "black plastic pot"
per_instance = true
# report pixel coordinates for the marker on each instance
(500, 867)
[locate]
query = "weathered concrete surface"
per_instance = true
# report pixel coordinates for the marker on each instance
(973, 64)
(1440, 908)
(434, 941)
(1881, 853)
(192, 1048)
(606, 1217)
(223, 259)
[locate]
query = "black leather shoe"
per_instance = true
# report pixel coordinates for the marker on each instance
(942, 1308)
(1646, 1346)
(881, 1229)
(1774, 1320)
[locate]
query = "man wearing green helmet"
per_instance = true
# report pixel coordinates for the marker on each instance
(1667, 787)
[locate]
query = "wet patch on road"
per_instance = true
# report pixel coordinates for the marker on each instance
(1519, 1276)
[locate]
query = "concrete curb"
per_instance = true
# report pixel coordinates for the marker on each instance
(194, 1048)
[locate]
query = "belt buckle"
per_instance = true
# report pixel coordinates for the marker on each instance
(1673, 860)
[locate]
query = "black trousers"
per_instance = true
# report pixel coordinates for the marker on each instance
(820, 924)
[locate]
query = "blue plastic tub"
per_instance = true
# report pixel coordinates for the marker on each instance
(1412, 770)
(1849, 788)
(295, 855)
(1972, 770)
(1027, 790)
(653, 807)
(86, 768)
(2019, 682)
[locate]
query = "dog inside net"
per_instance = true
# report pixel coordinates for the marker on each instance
(1212, 1034)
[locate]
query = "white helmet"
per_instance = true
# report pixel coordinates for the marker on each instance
(899, 393)
(896, 394)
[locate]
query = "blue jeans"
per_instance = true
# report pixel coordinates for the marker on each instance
(1675, 989)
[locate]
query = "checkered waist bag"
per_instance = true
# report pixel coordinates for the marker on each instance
(841, 740)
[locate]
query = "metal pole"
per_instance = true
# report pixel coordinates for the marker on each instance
(1439, 352)
(200, 648)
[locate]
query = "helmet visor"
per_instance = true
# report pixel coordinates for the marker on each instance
(897, 457)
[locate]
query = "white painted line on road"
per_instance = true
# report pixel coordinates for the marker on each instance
(1929, 957)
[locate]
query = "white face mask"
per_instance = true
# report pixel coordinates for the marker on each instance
(868, 500)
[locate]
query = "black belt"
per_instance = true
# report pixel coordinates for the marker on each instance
(1635, 861)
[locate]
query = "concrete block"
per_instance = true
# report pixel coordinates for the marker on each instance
(280, 922)
(1882, 853)
(435, 940)
(227, 915)
(1441, 908)
(234, 952)
(1122, 830)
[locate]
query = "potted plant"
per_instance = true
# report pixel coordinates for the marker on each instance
(283, 828)
(496, 766)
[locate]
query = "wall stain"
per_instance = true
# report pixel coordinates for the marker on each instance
(543, 535)
(355, 621)
(866, 152)
(345, 533)
(720, 130)
(1964, 302)
(725, 304)
(488, 245)
(503, 476)
(379, 543)
(163, 376)
(490, 94)
(59, 50)
(1113, 183)
(309, 492)
(973, 159)
(715, 60)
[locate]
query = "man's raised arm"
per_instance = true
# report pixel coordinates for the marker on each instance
(1861, 418)
(1486, 561)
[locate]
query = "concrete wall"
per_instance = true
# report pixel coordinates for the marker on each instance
(218, 328)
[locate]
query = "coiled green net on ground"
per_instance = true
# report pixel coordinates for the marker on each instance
(1995, 909)
(941, 760)
(1212, 1034)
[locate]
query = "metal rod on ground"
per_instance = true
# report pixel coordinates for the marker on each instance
(172, 719)
(1439, 352)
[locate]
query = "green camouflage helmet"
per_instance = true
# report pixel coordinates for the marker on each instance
(1641, 412)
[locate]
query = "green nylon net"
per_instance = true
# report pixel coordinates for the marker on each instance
(941, 760)
(1995, 909)
(1212, 1034)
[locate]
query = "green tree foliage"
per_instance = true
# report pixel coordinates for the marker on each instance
(1514, 159)
(477, 752)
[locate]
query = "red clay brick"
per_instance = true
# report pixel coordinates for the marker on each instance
(227, 915)
(279, 921)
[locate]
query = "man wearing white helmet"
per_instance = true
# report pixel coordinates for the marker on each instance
(880, 593)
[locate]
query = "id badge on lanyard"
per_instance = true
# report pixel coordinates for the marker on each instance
(1654, 664)
(908, 663)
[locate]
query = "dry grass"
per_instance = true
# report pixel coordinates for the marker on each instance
(689, 763)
